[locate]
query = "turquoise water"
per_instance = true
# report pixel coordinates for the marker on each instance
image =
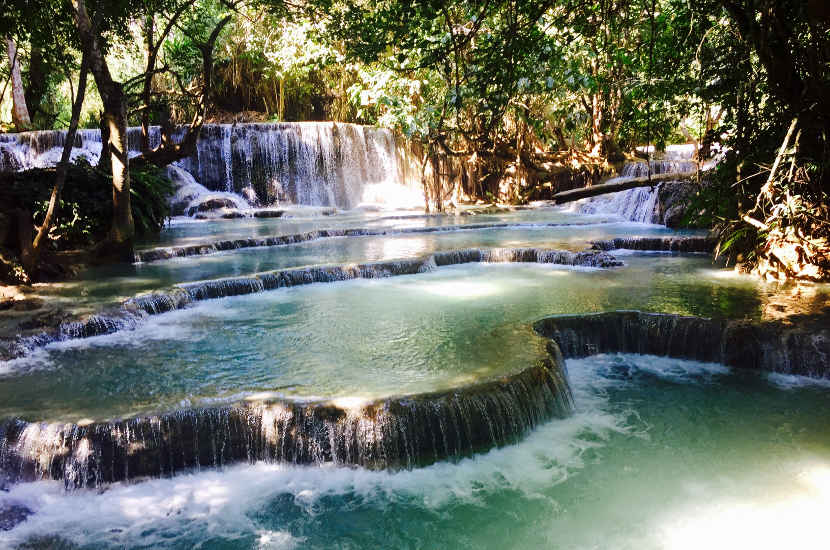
(103, 285)
(185, 231)
(363, 338)
(660, 453)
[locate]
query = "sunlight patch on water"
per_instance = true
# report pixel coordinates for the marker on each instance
(795, 518)
(462, 289)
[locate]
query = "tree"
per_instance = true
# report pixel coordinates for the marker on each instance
(20, 114)
(114, 118)
(202, 28)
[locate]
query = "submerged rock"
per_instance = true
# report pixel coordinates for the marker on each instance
(209, 204)
(268, 213)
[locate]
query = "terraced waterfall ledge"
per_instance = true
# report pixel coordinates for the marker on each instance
(392, 433)
(802, 347)
(130, 313)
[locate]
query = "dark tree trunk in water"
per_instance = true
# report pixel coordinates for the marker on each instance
(115, 118)
(603, 188)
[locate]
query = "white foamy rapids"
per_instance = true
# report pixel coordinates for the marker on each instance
(794, 381)
(636, 205)
(200, 505)
(219, 503)
(190, 193)
(619, 368)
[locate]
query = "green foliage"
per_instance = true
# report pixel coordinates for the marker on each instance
(85, 210)
(150, 191)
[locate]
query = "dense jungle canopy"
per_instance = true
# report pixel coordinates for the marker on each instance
(516, 92)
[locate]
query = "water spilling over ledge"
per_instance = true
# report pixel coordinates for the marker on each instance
(133, 310)
(156, 254)
(657, 244)
(307, 163)
(394, 433)
(802, 348)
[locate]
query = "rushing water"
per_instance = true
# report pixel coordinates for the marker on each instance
(658, 452)
(308, 163)
(367, 338)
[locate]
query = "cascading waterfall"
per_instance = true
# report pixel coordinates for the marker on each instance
(133, 310)
(394, 433)
(636, 205)
(303, 163)
(640, 204)
(769, 346)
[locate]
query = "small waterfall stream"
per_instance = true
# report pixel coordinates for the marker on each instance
(304, 163)
(640, 204)
(395, 433)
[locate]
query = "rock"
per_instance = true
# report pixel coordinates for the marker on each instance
(673, 199)
(224, 213)
(232, 214)
(25, 304)
(211, 203)
(250, 195)
(268, 213)
(9, 161)
(6, 225)
(12, 515)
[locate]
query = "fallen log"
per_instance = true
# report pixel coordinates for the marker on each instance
(603, 188)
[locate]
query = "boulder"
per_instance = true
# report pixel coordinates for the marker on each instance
(209, 204)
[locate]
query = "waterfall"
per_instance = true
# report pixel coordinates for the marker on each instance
(393, 433)
(304, 163)
(769, 346)
(641, 203)
(636, 205)
(659, 244)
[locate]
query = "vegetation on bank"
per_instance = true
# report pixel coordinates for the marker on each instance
(518, 99)
(82, 217)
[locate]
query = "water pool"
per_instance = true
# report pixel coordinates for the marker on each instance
(362, 338)
(660, 453)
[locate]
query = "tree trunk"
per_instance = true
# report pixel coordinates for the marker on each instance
(36, 84)
(20, 114)
(115, 118)
(146, 91)
(104, 164)
(603, 188)
(31, 249)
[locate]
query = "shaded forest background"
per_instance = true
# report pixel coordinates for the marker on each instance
(523, 98)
